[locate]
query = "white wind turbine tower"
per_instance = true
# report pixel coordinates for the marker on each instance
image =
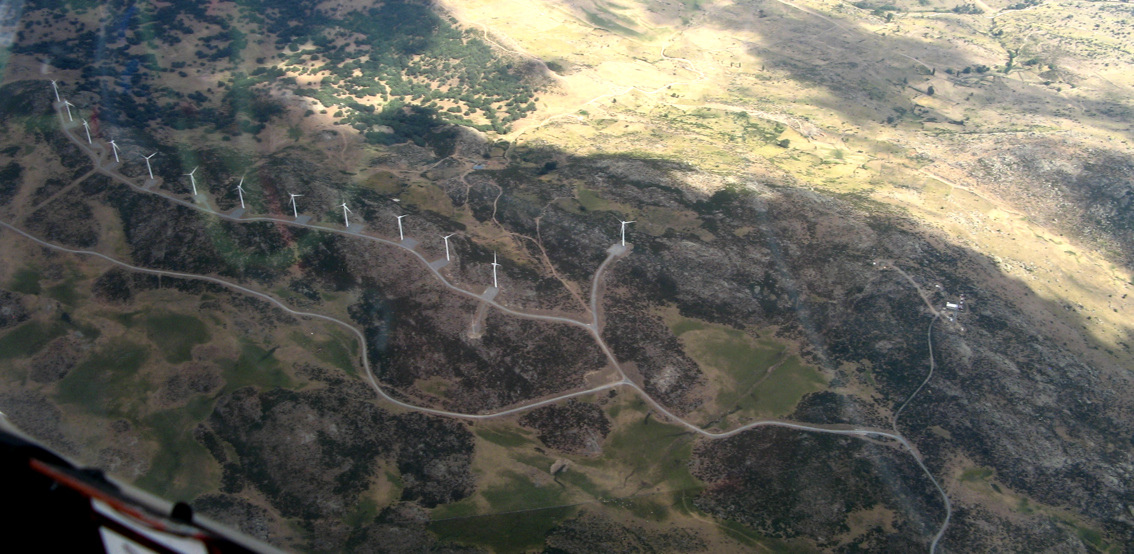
(294, 208)
(87, 128)
(193, 180)
(446, 239)
(148, 169)
(56, 89)
(240, 191)
(624, 224)
(67, 104)
(401, 235)
(346, 220)
(115, 148)
(494, 266)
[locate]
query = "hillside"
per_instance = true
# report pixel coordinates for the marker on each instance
(764, 360)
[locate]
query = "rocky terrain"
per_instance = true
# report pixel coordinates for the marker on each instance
(574, 427)
(754, 252)
(783, 483)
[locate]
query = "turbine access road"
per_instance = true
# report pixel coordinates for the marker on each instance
(593, 327)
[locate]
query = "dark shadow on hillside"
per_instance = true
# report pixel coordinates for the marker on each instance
(806, 263)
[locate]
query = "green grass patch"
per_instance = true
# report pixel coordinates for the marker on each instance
(176, 334)
(1025, 507)
(785, 387)
(635, 405)
(65, 293)
(576, 478)
(738, 365)
(869, 374)
(656, 221)
(587, 200)
(591, 201)
(348, 339)
(396, 479)
(600, 21)
(107, 383)
(337, 352)
(573, 477)
(976, 474)
(437, 386)
(519, 493)
(732, 350)
(364, 512)
(669, 448)
(29, 338)
(1090, 536)
(26, 281)
(182, 468)
(505, 533)
(125, 319)
(503, 437)
(255, 367)
(460, 509)
(383, 182)
(647, 509)
(739, 532)
(538, 461)
(685, 325)
(429, 197)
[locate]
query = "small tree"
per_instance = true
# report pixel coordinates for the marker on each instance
(929, 91)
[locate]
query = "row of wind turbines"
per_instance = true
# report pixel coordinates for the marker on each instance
(291, 200)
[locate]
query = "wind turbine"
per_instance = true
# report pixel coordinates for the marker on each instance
(624, 224)
(193, 180)
(494, 266)
(56, 89)
(401, 235)
(294, 208)
(240, 191)
(148, 169)
(115, 148)
(446, 239)
(346, 221)
(87, 128)
(67, 104)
